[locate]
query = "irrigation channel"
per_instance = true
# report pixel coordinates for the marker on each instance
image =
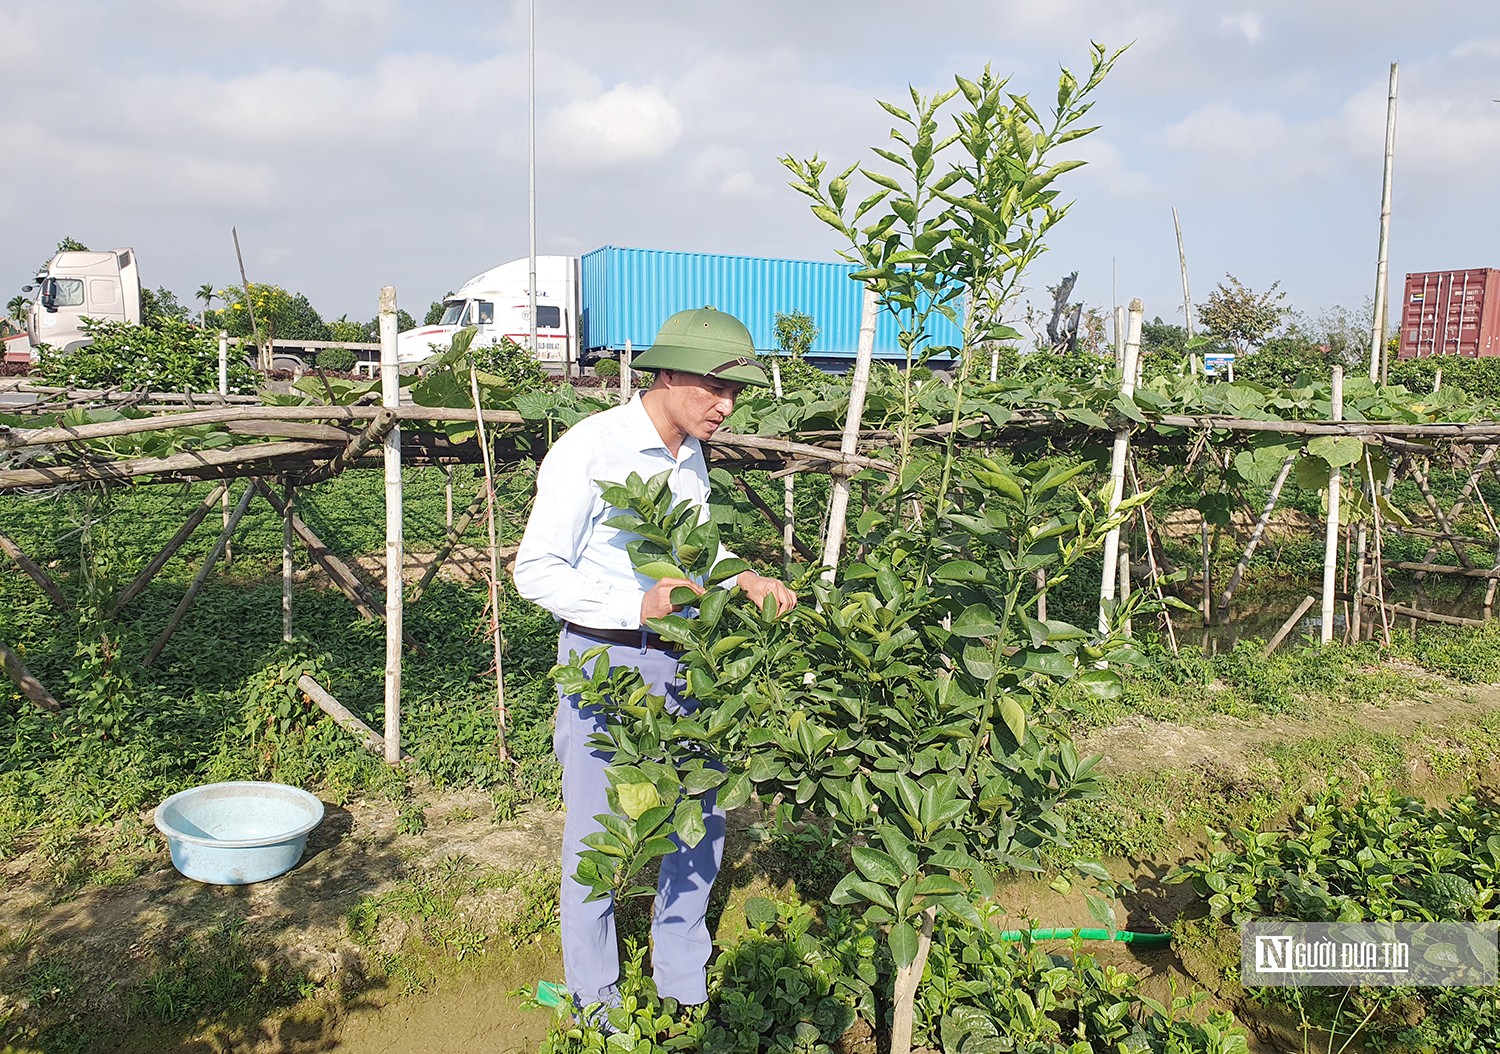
(1412, 541)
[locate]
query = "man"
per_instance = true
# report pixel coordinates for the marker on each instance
(574, 565)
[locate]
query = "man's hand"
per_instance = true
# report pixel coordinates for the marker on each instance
(657, 603)
(758, 587)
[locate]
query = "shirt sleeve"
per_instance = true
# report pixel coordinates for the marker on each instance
(557, 530)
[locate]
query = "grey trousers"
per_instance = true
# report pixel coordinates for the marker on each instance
(680, 941)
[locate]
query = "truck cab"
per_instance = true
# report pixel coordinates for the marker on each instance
(498, 303)
(78, 285)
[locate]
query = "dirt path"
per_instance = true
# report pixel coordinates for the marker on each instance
(115, 932)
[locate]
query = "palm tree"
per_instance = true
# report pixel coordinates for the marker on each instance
(207, 294)
(17, 307)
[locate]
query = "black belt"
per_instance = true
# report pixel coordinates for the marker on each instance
(630, 638)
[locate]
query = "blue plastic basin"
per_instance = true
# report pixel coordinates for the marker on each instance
(236, 833)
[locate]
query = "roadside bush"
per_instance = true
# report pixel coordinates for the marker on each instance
(337, 360)
(171, 356)
(516, 367)
(607, 368)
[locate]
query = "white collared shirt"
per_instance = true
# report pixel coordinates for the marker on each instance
(570, 561)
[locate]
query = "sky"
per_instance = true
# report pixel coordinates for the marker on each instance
(359, 143)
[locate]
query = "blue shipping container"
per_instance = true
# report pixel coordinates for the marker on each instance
(626, 294)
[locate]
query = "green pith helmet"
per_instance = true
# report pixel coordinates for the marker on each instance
(708, 343)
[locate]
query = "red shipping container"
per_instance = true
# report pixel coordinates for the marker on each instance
(1451, 313)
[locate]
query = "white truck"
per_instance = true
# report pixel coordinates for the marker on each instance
(77, 285)
(498, 303)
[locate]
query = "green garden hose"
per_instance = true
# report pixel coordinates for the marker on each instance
(1126, 936)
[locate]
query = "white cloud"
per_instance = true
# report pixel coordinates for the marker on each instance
(627, 123)
(1247, 24)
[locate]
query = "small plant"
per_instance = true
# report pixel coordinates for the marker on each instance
(607, 368)
(509, 364)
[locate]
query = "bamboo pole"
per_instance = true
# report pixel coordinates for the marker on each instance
(447, 497)
(1255, 535)
(788, 492)
(1117, 465)
(31, 688)
(202, 576)
(838, 508)
(286, 558)
(142, 580)
(197, 464)
(1331, 536)
(339, 573)
(369, 437)
(224, 391)
(797, 545)
(262, 351)
(1425, 489)
(1378, 324)
(1286, 627)
(502, 720)
(368, 738)
(455, 532)
(390, 395)
(34, 571)
(1433, 616)
(625, 381)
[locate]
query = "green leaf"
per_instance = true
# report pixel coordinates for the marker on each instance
(637, 798)
(876, 865)
(1338, 451)
(659, 569)
(1014, 717)
(976, 620)
(688, 819)
(903, 940)
(1101, 684)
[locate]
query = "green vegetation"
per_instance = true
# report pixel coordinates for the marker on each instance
(166, 355)
(1366, 855)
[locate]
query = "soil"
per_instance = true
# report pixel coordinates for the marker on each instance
(115, 933)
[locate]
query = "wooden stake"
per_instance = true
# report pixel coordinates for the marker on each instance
(343, 717)
(34, 572)
(838, 508)
(142, 580)
(1117, 465)
(502, 720)
(263, 350)
(789, 543)
(625, 380)
(390, 396)
(1331, 535)
(1286, 627)
(450, 540)
(202, 576)
(286, 558)
(31, 688)
(1377, 327)
(369, 437)
(1255, 536)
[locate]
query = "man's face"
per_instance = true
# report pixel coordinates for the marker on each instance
(699, 405)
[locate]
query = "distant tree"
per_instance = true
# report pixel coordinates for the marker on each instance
(404, 322)
(1243, 318)
(279, 315)
(795, 332)
(161, 304)
(208, 295)
(1163, 339)
(434, 312)
(17, 307)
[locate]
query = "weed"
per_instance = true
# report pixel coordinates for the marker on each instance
(215, 974)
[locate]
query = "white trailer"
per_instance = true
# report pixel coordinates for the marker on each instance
(498, 303)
